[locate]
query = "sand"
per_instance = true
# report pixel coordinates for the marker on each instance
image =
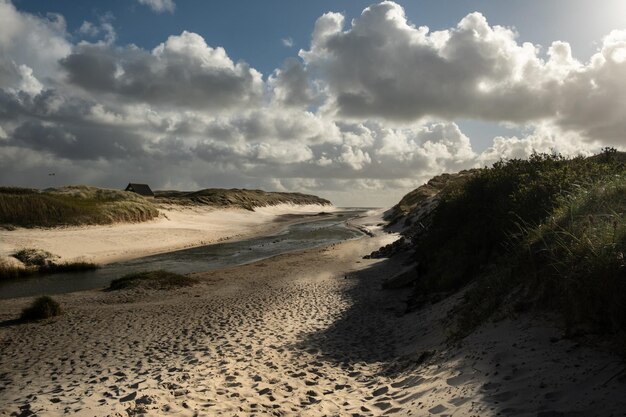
(302, 334)
(176, 228)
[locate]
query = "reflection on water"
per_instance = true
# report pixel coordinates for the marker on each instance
(296, 237)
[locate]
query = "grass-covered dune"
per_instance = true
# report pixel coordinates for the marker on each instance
(72, 205)
(85, 205)
(423, 197)
(240, 198)
(544, 233)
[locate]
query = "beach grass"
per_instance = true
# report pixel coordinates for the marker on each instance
(544, 233)
(35, 261)
(85, 205)
(71, 206)
(42, 308)
(239, 198)
(9, 270)
(152, 280)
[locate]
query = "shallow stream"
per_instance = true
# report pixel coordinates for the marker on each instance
(317, 232)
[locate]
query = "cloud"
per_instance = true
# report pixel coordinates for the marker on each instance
(159, 6)
(592, 98)
(384, 67)
(30, 48)
(364, 114)
(288, 42)
(290, 84)
(182, 71)
(104, 28)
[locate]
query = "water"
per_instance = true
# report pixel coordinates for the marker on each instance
(204, 258)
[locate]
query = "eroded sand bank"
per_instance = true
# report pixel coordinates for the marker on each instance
(301, 334)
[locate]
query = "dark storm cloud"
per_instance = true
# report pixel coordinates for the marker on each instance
(78, 142)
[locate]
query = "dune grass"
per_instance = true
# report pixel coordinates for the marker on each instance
(548, 232)
(85, 205)
(11, 271)
(152, 280)
(72, 205)
(39, 261)
(241, 198)
(42, 308)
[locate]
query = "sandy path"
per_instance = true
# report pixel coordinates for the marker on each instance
(176, 228)
(309, 333)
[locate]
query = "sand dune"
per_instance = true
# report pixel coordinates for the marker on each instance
(177, 227)
(307, 333)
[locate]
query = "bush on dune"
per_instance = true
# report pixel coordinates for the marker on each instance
(152, 280)
(42, 308)
(548, 232)
(39, 261)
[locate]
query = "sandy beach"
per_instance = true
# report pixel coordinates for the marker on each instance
(177, 227)
(302, 334)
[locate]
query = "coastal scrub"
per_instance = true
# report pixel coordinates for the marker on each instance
(152, 280)
(42, 308)
(547, 233)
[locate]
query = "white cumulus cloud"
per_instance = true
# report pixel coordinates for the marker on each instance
(159, 6)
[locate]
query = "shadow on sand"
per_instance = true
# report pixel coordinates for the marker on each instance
(365, 333)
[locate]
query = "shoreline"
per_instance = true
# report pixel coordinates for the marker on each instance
(176, 228)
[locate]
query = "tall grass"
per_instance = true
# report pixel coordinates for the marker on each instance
(578, 257)
(11, 271)
(152, 280)
(246, 199)
(548, 232)
(73, 205)
(39, 261)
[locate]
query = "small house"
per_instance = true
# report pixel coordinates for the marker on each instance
(141, 189)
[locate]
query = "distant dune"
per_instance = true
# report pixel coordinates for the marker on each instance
(85, 205)
(234, 197)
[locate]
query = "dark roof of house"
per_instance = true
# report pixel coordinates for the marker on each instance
(141, 189)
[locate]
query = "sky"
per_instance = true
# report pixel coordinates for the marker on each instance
(355, 101)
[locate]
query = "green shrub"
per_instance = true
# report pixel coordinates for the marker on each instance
(153, 280)
(42, 308)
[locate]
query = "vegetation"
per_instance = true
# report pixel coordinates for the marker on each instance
(437, 187)
(39, 261)
(34, 257)
(42, 308)
(547, 232)
(85, 205)
(152, 280)
(246, 199)
(10, 270)
(72, 205)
